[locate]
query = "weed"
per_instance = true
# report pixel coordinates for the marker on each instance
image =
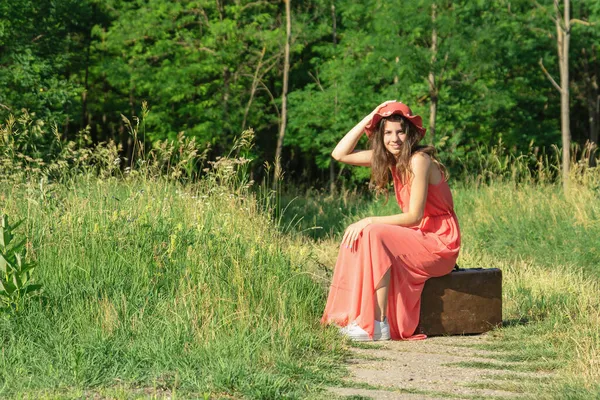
(15, 270)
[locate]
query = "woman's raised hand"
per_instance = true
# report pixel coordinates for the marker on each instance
(380, 106)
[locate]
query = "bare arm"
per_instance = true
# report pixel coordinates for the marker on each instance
(421, 167)
(344, 151)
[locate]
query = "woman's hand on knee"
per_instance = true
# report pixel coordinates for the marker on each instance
(353, 232)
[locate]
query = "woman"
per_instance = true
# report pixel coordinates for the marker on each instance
(384, 262)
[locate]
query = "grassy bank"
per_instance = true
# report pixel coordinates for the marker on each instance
(154, 289)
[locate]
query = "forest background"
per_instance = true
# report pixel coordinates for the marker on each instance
(148, 262)
(210, 69)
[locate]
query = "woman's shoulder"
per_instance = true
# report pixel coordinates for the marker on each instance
(420, 154)
(426, 162)
(419, 160)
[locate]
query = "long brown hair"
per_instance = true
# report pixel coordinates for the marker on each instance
(382, 160)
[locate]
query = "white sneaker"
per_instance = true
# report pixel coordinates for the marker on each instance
(358, 334)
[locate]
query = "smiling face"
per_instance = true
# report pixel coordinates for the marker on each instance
(393, 136)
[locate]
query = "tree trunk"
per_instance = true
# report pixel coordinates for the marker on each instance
(66, 127)
(105, 125)
(84, 115)
(126, 139)
(591, 96)
(594, 119)
(253, 87)
(433, 90)
(286, 73)
(334, 38)
(594, 115)
(563, 37)
(563, 34)
(225, 97)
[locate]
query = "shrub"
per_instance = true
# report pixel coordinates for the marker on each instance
(15, 272)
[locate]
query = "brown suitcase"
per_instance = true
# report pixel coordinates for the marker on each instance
(462, 302)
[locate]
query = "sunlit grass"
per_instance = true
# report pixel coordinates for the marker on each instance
(149, 283)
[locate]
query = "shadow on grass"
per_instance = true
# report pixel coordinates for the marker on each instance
(515, 322)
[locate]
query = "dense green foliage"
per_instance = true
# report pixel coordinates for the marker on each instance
(213, 68)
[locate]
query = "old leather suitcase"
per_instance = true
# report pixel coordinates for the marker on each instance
(462, 302)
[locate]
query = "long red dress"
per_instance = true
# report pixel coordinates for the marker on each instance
(414, 255)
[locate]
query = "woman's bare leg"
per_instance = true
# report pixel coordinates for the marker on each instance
(381, 294)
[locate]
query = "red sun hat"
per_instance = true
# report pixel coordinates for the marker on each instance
(395, 108)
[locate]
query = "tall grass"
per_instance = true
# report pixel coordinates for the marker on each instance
(159, 285)
(154, 286)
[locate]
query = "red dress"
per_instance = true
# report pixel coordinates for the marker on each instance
(414, 255)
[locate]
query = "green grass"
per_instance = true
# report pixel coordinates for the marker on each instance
(156, 288)
(538, 223)
(528, 367)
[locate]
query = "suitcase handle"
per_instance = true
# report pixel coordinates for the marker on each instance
(457, 268)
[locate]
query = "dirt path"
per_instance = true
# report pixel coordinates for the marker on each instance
(426, 370)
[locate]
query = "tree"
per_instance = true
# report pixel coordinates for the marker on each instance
(563, 35)
(214, 68)
(563, 26)
(284, 93)
(586, 67)
(433, 89)
(43, 54)
(195, 62)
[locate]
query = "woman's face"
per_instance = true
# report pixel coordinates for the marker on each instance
(393, 136)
